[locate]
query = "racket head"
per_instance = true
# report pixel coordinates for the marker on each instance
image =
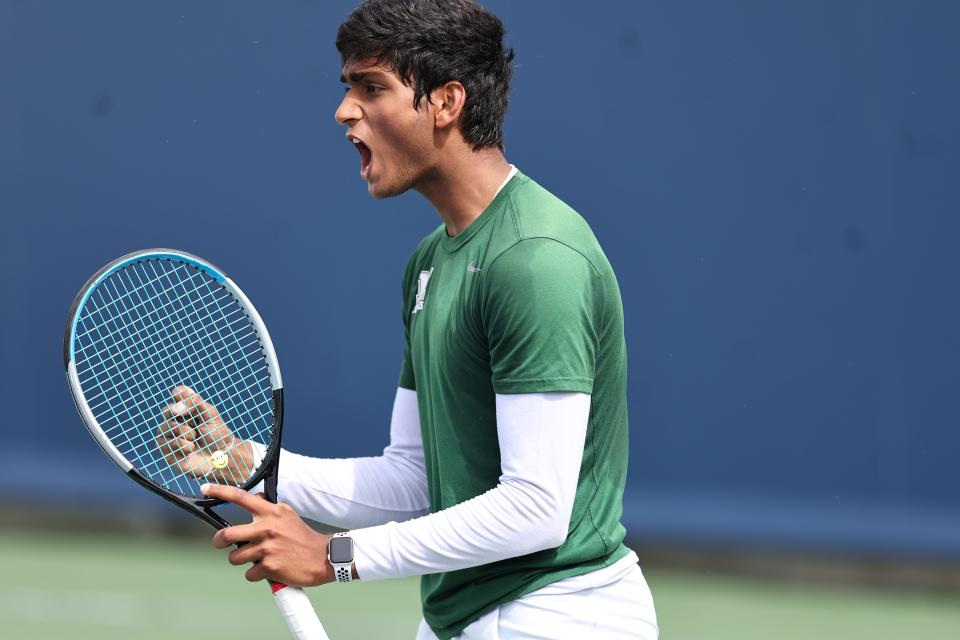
(153, 320)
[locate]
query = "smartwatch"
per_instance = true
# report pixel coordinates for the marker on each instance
(340, 555)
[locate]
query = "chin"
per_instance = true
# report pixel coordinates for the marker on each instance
(379, 190)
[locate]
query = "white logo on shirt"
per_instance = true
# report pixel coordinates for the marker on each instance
(471, 268)
(422, 289)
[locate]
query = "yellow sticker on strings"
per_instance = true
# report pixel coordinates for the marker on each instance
(219, 459)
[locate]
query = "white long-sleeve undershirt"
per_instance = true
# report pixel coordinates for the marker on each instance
(360, 492)
(541, 437)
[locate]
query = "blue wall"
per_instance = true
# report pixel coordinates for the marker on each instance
(776, 183)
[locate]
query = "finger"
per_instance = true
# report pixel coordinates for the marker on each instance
(174, 429)
(176, 412)
(197, 407)
(178, 447)
(237, 534)
(246, 554)
(187, 402)
(174, 438)
(256, 572)
(247, 501)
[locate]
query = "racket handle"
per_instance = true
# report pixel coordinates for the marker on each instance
(298, 612)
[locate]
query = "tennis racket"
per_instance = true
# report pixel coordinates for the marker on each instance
(172, 369)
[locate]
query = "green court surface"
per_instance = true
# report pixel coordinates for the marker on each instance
(110, 587)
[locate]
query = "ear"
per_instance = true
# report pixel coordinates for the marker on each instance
(448, 101)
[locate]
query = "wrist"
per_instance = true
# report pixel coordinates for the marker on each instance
(240, 454)
(329, 574)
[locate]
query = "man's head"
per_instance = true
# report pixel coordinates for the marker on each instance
(420, 71)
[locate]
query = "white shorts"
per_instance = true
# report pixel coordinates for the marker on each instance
(620, 609)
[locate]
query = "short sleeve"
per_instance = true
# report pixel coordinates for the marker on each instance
(407, 379)
(542, 309)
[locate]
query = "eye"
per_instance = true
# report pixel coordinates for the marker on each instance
(372, 89)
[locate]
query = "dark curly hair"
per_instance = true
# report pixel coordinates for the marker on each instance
(428, 43)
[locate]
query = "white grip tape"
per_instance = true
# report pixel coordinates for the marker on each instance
(299, 614)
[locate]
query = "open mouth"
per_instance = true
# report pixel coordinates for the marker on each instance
(365, 156)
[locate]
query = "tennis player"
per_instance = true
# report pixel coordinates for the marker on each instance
(503, 481)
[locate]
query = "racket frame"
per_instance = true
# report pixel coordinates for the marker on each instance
(199, 507)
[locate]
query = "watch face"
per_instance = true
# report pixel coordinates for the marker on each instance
(341, 550)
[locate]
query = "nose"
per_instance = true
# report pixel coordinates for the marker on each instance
(348, 111)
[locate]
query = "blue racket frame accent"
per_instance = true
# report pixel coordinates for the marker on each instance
(109, 269)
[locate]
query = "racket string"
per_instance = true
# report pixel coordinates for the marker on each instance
(192, 315)
(158, 341)
(104, 339)
(97, 400)
(129, 293)
(212, 359)
(218, 400)
(173, 330)
(145, 443)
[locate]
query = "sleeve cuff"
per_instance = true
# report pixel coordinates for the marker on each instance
(373, 553)
(544, 385)
(259, 451)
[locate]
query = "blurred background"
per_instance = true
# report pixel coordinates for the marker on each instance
(775, 183)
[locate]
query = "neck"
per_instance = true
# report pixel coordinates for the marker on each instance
(461, 187)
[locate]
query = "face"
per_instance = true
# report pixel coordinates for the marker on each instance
(395, 140)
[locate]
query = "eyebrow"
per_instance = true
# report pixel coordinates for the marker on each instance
(360, 76)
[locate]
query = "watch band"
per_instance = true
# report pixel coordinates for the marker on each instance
(342, 570)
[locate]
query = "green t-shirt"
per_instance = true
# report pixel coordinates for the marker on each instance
(522, 301)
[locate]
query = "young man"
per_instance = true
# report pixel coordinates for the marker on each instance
(502, 484)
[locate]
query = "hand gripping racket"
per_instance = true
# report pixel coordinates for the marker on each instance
(158, 326)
